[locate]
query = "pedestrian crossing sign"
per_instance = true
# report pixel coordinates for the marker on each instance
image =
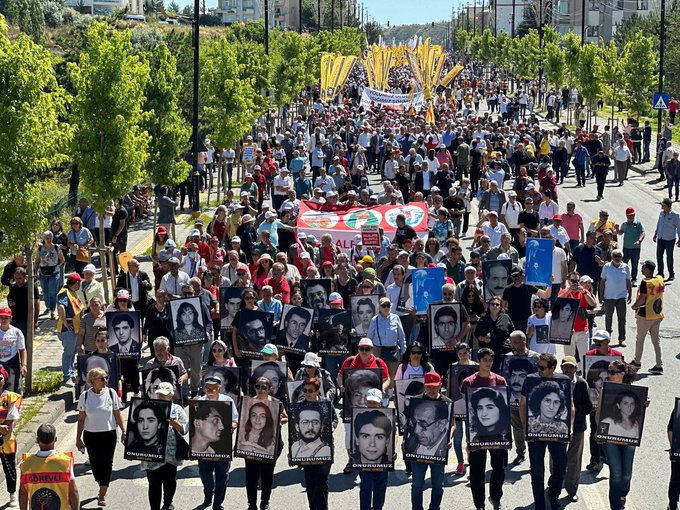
(660, 101)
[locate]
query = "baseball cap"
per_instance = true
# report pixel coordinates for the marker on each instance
(73, 278)
(165, 388)
(163, 256)
(170, 244)
(492, 213)
(402, 252)
(236, 239)
(432, 379)
(269, 214)
(365, 342)
(270, 349)
(370, 272)
(331, 194)
(198, 221)
(304, 255)
(385, 301)
(311, 360)
(122, 294)
(174, 260)
(195, 232)
(650, 264)
(512, 194)
(557, 217)
(374, 395)
(366, 259)
(569, 360)
(517, 271)
(600, 335)
(630, 211)
(213, 379)
(335, 299)
(5, 311)
(90, 268)
(529, 187)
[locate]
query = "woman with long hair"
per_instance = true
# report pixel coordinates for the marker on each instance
(473, 303)
(491, 415)
(248, 302)
(261, 273)
(158, 244)
(434, 249)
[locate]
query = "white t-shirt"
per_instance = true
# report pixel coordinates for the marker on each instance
(533, 344)
(558, 257)
(510, 213)
(99, 409)
(11, 342)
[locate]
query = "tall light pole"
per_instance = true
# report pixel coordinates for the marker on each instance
(662, 50)
(495, 18)
(332, 15)
(318, 15)
(194, 163)
(583, 22)
(474, 18)
(481, 31)
(300, 17)
(512, 27)
(266, 27)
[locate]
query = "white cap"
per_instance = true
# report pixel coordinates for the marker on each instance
(365, 342)
(331, 194)
(269, 214)
(165, 388)
(236, 239)
(600, 335)
(374, 395)
(90, 268)
(195, 232)
(304, 255)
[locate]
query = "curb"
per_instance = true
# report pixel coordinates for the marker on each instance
(57, 404)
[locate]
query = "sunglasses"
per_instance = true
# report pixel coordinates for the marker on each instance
(417, 353)
(249, 298)
(485, 241)
(494, 304)
(365, 349)
(385, 305)
(261, 387)
(102, 379)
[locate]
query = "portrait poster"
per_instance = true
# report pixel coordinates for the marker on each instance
(542, 332)
(254, 331)
(538, 265)
(210, 429)
(295, 329)
(495, 277)
(230, 377)
(108, 362)
(258, 430)
(187, 320)
(147, 430)
(428, 431)
(294, 391)
(152, 377)
(457, 374)
(675, 443)
(357, 382)
(275, 371)
(421, 288)
(445, 325)
(230, 303)
(124, 330)
(622, 414)
(315, 293)
(364, 308)
(595, 367)
(562, 320)
(515, 370)
(372, 439)
(334, 329)
(488, 418)
(548, 411)
(310, 433)
(405, 391)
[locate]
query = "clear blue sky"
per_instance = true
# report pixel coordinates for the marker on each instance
(406, 12)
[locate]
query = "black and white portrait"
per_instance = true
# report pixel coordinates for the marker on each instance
(258, 429)
(457, 374)
(294, 391)
(254, 331)
(596, 375)
(147, 429)
(372, 439)
(496, 276)
(428, 431)
(230, 377)
(210, 429)
(310, 432)
(188, 321)
(275, 371)
(294, 329)
(515, 370)
(152, 377)
(315, 293)
(675, 427)
(334, 329)
(562, 320)
(124, 333)
(405, 390)
(108, 362)
(548, 411)
(622, 413)
(230, 303)
(364, 308)
(488, 418)
(445, 325)
(357, 382)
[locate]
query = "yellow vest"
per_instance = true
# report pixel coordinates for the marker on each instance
(654, 298)
(47, 480)
(7, 399)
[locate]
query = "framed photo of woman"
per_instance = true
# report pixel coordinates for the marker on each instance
(258, 430)
(596, 367)
(488, 418)
(622, 413)
(562, 320)
(364, 308)
(147, 430)
(187, 320)
(548, 409)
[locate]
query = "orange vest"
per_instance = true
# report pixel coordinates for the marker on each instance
(7, 399)
(47, 480)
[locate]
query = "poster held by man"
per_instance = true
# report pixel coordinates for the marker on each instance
(548, 410)
(405, 391)
(538, 266)
(230, 303)
(428, 431)
(495, 277)
(295, 329)
(275, 371)
(254, 331)
(357, 382)
(421, 288)
(316, 293)
(124, 333)
(147, 430)
(515, 370)
(310, 433)
(596, 367)
(562, 320)
(488, 418)
(187, 319)
(230, 377)
(152, 377)
(622, 414)
(210, 427)
(445, 325)
(334, 329)
(457, 374)
(364, 308)
(258, 430)
(372, 439)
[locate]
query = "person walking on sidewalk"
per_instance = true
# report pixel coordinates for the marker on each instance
(665, 236)
(672, 171)
(601, 164)
(648, 309)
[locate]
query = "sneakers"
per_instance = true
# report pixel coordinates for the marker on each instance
(636, 363)
(656, 369)
(13, 501)
(460, 469)
(622, 343)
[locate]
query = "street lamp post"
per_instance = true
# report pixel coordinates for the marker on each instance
(266, 27)
(194, 164)
(318, 15)
(512, 28)
(662, 50)
(332, 15)
(300, 17)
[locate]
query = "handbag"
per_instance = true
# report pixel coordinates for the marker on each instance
(82, 254)
(182, 450)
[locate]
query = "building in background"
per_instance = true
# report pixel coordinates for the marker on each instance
(135, 8)
(501, 13)
(237, 11)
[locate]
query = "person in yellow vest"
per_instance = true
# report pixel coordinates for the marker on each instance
(10, 407)
(47, 478)
(69, 307)
(649, 313)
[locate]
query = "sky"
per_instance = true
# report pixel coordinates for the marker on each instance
(406, 12)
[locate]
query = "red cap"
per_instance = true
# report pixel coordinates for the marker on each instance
(630, 211)
(73, 278)
(432, 264)
(557, 217)
(327, 263)
(162, 230)
(4, 373)
(432, 379)
(5, 312)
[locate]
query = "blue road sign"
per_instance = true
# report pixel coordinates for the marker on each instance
(660, 101)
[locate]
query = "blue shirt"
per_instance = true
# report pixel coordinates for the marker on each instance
(274, 307)
(303, 187)
(387, 332)
(580, 155)
(296, 165)
(668, 226)
(615, 286)
(273, 229)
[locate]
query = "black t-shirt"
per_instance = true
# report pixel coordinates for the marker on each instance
(528, 219)
(519, 301)
(118, 217)
(19, 295)
(556, 375)
(585, 260)
(403, 233)
(454, 202)
(601, 162)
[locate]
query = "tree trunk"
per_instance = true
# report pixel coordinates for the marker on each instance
(73, 184)
(30, 330)
(103, 260)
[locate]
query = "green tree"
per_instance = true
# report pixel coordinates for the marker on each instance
(527, 55)
(639, 66)
(555, 65)
(503, 50)
(461, 39)
(287, 66)
(590, 73)
(572, 47)
(30, 16)
(612, 73)
(487, 46)
(373, 32)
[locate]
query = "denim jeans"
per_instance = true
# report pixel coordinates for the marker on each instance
(665, 246)
(372, 490)
(214, 486)
(632, 255)
(558, 454)
(673, 182)
(645, 149)
(580, 174)
(332, 364)
(50, 286)
(68, 357)
(437, 478)
(458, 440)
(620, 460)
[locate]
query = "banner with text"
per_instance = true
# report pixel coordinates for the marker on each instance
(391, 101)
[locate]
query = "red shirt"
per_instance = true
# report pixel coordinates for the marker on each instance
(611, 352)
(571, 223)
(579, 323)
(373, 362)
(261, 182)
(280, 287)
(477, 381)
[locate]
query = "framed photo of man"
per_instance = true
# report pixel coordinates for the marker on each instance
(596, 367)
(457, 374)
(488, 418)
(124, 333)
(152, 377)
(147, 430)
(254, 331)
(622, 414)
(210, 429)
(428, 431)
(230, 303)
(562, 320)
(187, 320)
(108, 362)
(357, 382)
(495, 276)
(372, 439)
(548, 410)
(334, 329)
(675, 428)
(275, 371)
(310, 433)
(295, 329)
(294, 391)
(405, 391)
(445, 325)
(315, 293)
(258, 430)
(230, 377)
(515, 370)
(364, 308)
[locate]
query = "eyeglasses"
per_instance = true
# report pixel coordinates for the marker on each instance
(614, 372)
(308, 391)
(422, 424)
(102, 379)
(417, 353)
(385, 305)
(249, 298)
(365, 349)
(617, 256)
(261, 387)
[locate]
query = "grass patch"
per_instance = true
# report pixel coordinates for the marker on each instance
(46, 381)
(207, 218)
(30, 408)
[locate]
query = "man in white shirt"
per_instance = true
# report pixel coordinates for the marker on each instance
(621, 158)
(510, 213)
(493, 228)
(174, 279)
(283, 183)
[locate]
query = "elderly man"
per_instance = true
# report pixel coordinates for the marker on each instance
(492, 199)
(136, 282)
(615, 291)
(173, 281)
(493, 229)
(504, 248)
